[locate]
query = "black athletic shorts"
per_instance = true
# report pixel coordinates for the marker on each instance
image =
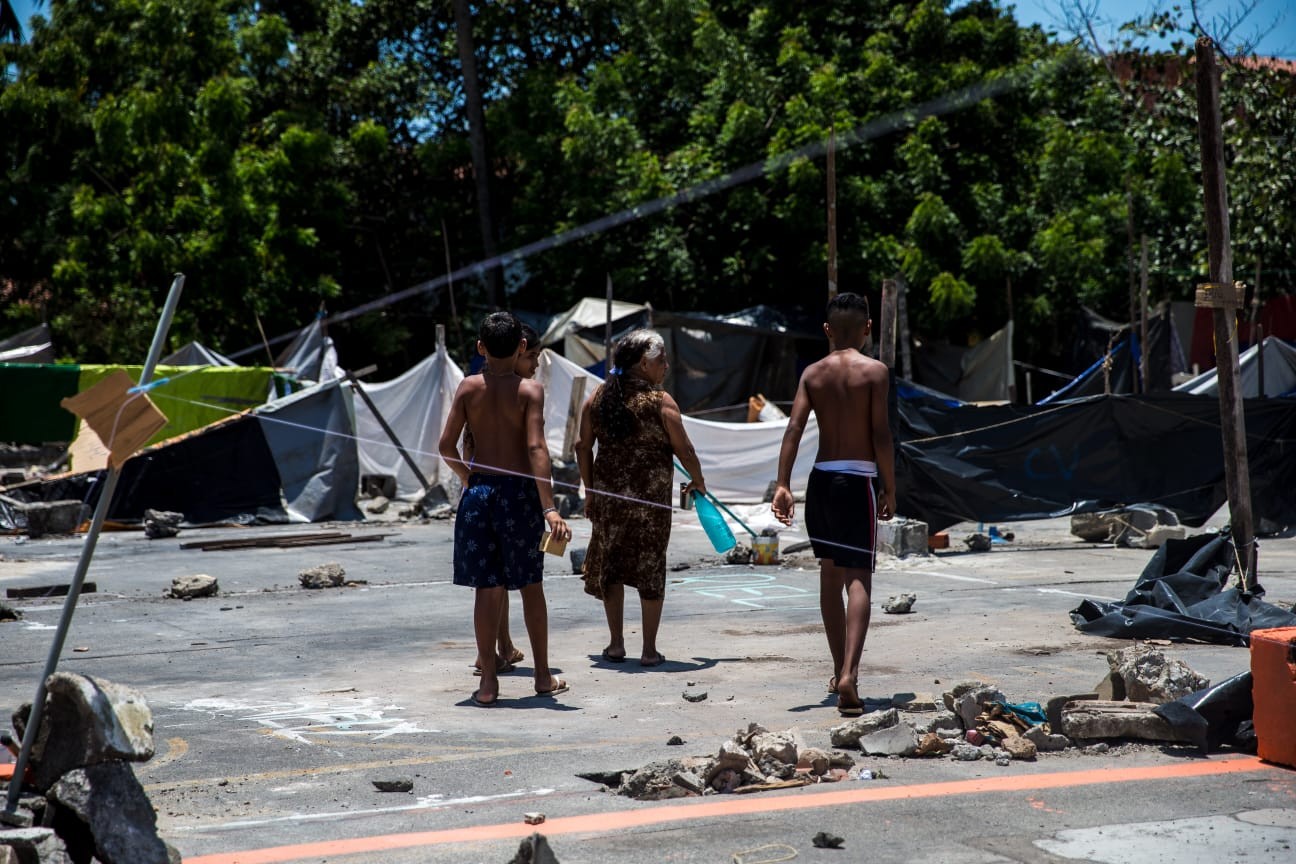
(841, 518)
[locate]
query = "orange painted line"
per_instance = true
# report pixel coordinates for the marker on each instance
(603, 823)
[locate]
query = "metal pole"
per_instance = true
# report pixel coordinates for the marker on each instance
(111, 474)
(607, 333)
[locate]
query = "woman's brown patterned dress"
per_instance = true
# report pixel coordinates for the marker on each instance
(629, 540)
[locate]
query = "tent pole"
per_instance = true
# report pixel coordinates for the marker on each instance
(391, 433)
(111, 474)
(1144, 386)
(607, 332)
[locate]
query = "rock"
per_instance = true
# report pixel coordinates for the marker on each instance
(814, 760)
(1019, 747)
(695, 695)
(1099, 719)
(902, 537)
(1111, 688)
(378, 505)
(914, 701)
(1003, 761)
(9, 613)
(689, 781)
(533, 818)
(898, 740)
(189, 587)
(776, 746)
(946, 721)
(159, 524)
(1150, 677)
(848, 734)
(674, 741)
(534, 850)
(33, 846)
(978, 542)
(1097, 749)
(329, 575)
(49, 517)
(111, 802)
(655, 781)
(1044, 741)
(932, 744)
(394, 784)
(824, 840)
(966, 753)
(1157, 537)
(740, 554)
(86, 721)
(1053, 708)
(901, 604)
(972, 703)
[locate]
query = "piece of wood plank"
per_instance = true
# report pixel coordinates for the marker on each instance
(241, 542)
(47, 590)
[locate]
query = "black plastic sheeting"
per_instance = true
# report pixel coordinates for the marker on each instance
(1181, 594)
(997, 463)
(1215, 716)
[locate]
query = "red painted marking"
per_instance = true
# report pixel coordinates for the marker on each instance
(603, 823)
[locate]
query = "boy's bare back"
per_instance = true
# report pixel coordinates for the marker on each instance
(499, 409)
(847, 392)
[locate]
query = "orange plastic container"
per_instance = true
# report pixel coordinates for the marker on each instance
(1273, 690)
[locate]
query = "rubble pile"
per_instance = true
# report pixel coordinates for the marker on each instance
(754, 760)
(82, 798)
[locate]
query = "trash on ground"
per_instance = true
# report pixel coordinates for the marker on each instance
(900, 604)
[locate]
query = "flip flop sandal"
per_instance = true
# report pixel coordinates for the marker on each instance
(612, 658)
(832, 684)
(480, 703)
(661, 658)
(560, 686)
(500, 669)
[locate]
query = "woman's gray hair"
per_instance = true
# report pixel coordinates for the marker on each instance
(643, 343)
(636, 345)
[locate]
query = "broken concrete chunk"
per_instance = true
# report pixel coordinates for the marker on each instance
(914, 702)
(973, 703)
(932, 744)
(394, 784)
(966, 752)
(898, 740)
(1149, 677)
(900, 604)
(740, 554)
(776, 746)
(378, 505)
(111, 802)
(159, 524)
(1019, 747)
(1100, 719)
(848, 734)
(86, 721)
(978, 542)
(1045, 741)
(814, 760)
(694, 695)
(689, 781)
(329, 575)
(33, 846)
(189, 587)
(534, 818)
(902, 537)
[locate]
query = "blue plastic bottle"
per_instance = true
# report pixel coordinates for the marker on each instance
(713, 524)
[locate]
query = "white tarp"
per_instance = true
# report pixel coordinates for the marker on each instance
(588, 312)
(415, 405)
(1279, 372)
(739, 460)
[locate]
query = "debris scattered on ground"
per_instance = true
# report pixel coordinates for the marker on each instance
(683, 565)
(695, 695)
(978, 542)
(754, 760)
(189, 587)
(674, 741)
(824, 840)
(533, 818)
(9, 613)
(48, 591)
(378, 505)
(534, 850)
(330, 575)
(88, 800)
(159, 524)
(900, 604)
(901, 537)
(394, 784)
(1144, 526)
(739, 554)
(284, 541)
(1147, 676)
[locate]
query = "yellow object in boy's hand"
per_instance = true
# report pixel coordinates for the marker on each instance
(550, 544)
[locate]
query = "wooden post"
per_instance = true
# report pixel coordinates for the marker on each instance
(1143, 314)
(886, 324)
(382, 421)
(832, 213)
(574, 406)
(454, 313)
(902, 327)
(607, 333)
(1260, 365)
(1012, 334)
(1133, 287)
(1221, 298)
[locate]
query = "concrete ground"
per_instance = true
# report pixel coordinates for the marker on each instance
(275, 707)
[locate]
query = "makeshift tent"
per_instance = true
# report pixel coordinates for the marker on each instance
(311, 355)
(1119, 367)
(982, 373)
(739, 460)
(195, 354)
(34, 345)
(1279, 372)
(415, 406)
(581, 328)
(191, 397)
(1006, 462)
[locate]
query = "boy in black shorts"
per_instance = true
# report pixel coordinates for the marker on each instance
(847, 391)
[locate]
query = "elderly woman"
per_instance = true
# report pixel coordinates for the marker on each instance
(637, 428)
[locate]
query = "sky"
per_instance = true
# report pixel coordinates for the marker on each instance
(1279, 42)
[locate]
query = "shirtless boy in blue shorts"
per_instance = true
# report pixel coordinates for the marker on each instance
(847, 391)
(507, 503)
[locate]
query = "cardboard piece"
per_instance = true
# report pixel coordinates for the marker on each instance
(123, 421)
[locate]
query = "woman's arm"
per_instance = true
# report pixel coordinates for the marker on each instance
(681, 444)
(585, 456)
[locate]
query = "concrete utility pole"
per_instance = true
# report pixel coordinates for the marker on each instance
(1220, 295)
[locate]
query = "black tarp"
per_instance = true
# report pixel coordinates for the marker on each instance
(1094, 334)
(1182, 594)
(1010, 462)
